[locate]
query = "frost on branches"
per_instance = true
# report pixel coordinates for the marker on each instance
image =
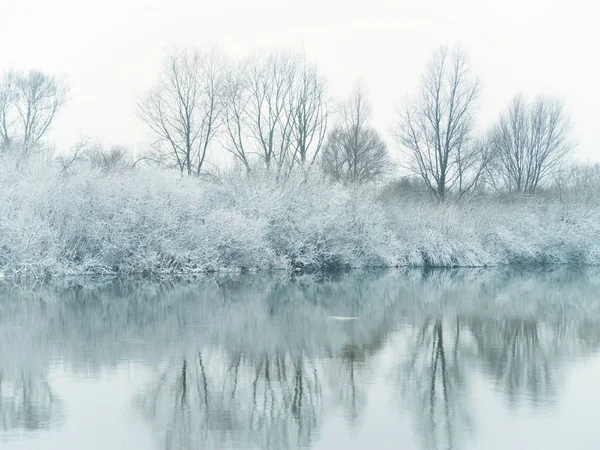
(55, 222)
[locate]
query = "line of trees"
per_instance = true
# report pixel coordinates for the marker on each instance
(437, 133)
(272, 112)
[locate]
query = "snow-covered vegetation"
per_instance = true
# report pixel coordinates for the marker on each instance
(309, 192)
(57, 222)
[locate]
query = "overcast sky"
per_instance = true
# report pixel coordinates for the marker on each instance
(111, 50)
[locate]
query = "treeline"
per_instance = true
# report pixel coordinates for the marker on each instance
(272, 111)
(312, 187)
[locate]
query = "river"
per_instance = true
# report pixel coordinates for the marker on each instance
(412, 359)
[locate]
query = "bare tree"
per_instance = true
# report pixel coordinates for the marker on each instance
(578, 182)
(310, 114)
(276, 111)
(271, 83)
(529, 144)
(235, 116)
(28, 104)
(109, 159)
(354, 152)
(184, 111)
(436, 132)
(7, 110)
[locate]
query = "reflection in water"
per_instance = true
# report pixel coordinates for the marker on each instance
(254, 362)
(273, 402)
(433, 382)
(523, 356)
(26, 401)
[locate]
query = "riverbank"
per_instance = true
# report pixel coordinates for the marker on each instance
(153, 221)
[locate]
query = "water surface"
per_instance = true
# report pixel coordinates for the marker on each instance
(465, 359)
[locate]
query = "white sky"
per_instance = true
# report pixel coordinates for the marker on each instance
(111, 50)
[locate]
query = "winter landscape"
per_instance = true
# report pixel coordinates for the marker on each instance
(287, 229)
(305, 184)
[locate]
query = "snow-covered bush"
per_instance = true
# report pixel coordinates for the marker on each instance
(54, 222)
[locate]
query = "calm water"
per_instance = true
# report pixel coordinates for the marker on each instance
(469, 359)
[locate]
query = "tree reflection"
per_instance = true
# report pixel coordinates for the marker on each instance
(273, 401)
(221, 397)
(524, 356)
(256, 361)
(26, 401)
(433, 383)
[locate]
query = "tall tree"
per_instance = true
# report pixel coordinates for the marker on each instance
(28, 104)
(184, 111)
(354, 152)
(529, 144)
(436, 131)
(309, 111)
(276, 112)
(235, 118)
(271, 84)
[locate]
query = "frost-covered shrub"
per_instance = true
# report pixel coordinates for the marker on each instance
(54, 222)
